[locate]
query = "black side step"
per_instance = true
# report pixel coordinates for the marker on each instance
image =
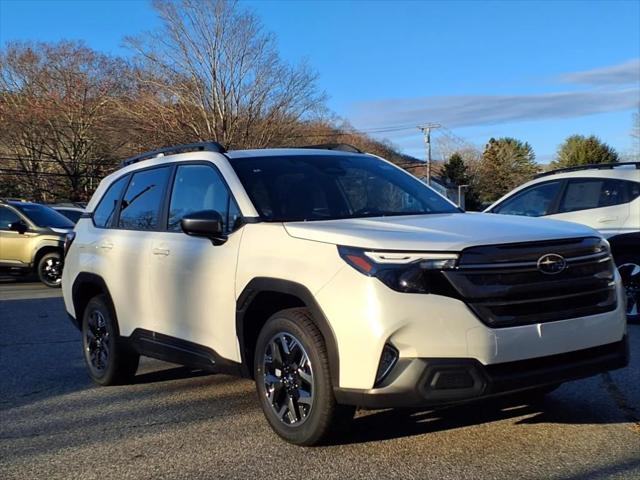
(183, 352)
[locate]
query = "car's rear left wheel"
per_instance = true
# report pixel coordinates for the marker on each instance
(109, 360)
(292, 377)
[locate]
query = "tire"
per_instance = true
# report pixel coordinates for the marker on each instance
(49, 269)
(282, 380)
(109, 360)
(629, 269)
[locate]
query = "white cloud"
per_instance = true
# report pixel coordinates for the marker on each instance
(474, 110)
(613, 88)
(622, 74)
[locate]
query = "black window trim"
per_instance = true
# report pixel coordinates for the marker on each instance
(553, 205)
(169, 193)
(163, 216)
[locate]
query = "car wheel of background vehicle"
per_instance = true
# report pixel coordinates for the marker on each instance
(629, 268)
(293, 381)
(50, 269)
(109, 360)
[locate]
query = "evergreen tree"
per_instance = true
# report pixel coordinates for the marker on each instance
(580, 150)
(454, 171)
(506, 163)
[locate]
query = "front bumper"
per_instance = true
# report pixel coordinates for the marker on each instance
(427, 382)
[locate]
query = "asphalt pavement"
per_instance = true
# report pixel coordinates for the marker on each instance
(178, 423)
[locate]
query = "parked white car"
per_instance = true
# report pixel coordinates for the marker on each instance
(70, 210)
(335, 279)
(604, 196)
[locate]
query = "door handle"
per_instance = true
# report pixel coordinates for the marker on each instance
(105, 245)
(607, 219)
(161, 251)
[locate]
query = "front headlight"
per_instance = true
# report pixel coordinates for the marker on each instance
(411, 272)
(603, 246)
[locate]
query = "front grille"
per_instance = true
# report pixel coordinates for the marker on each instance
(504, 287)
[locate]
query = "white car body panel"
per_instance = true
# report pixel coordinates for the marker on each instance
(609, 221)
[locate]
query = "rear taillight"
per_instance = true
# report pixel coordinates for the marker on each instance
(68, 240)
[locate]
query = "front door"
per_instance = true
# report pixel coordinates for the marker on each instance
(15, 247)
(193, 281)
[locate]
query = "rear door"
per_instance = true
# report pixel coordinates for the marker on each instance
(126, 248)
(600, 203)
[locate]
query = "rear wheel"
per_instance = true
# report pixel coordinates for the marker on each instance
(292, 376)
(629, 269)
(109, 360)
(49, 269)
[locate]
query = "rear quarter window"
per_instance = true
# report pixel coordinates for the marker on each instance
(106, 209)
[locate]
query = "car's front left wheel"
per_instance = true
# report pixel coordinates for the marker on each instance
(49, 269)
(629, 269)
(292, 377)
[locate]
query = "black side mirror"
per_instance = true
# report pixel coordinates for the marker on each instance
(19, 227)
(206, 223)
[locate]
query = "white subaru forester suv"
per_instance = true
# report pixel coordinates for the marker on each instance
(334, 279)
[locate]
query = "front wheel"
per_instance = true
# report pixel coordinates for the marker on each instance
(50, 269)
(292, 377)
(629, 269)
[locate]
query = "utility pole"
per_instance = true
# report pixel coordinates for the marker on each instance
(426, 131)
(460, 187)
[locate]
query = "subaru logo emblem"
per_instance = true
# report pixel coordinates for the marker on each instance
(551, 264)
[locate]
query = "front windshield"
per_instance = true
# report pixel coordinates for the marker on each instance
(44, 216)
(316, 187)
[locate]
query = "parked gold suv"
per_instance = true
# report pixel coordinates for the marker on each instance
(32, 240)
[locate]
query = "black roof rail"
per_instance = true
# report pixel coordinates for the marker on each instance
(591, 166)
(188, 147)
(342, 147)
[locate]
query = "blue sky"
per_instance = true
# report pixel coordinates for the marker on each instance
(538, 71)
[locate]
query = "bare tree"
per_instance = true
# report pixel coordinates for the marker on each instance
(57, 131)
(211, 72)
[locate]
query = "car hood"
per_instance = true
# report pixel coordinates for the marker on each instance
(444, 232)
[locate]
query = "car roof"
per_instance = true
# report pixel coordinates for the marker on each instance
(623, 172)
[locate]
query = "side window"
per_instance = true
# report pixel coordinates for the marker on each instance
(532, 202)
(585, 193)
(197, 188)
(106, 208)
(7, 217)
(142, 201)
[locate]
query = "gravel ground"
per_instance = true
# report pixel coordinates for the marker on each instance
(178, 423)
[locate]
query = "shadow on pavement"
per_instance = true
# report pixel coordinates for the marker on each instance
(391, 424)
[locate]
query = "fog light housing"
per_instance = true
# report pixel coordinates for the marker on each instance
(388, 359)
(452, 379)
